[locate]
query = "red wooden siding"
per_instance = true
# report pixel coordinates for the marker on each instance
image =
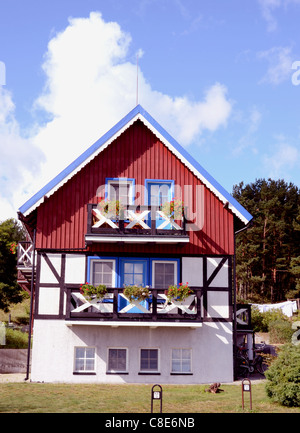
(138, 154)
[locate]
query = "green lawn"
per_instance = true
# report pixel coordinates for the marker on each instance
(62, 398)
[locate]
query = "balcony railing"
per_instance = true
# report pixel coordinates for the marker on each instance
(135, 221)
(25, 255)
(116, 307)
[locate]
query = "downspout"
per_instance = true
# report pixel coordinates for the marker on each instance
(31, 308)
(249, 224)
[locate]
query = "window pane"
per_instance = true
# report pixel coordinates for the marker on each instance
(102, 273)
(89, 352)
(159, 268)
(89, 364)
(80, 352)
(84, 358)
(107, 267)
(186, 366)
(176, 366)
(169, 268)
(164, 274)
(186, 353)
(176, 353)
(138, 279)
(79, 364)
(149, 359)
(138, 268)
(169, 280)
(128, 279)
(128, 268)
(117, 360)
(181, 360)
(153, 364)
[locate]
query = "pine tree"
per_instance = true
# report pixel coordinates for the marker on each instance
(264, 252)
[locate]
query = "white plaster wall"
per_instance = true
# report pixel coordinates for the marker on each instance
(54, 342)
(221, 279)
(49, 300)
(217, 304)
(75, 269)
(47, 276)
(192, 271)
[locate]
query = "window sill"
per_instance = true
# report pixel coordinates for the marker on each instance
(85, 373)
(117, 372)
(181, 374)
(145, 373)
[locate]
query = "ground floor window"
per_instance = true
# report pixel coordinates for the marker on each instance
(149, 360)
(84, 359)
(117, 360)
(181, 361)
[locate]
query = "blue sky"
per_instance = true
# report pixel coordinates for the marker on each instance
(217, 75)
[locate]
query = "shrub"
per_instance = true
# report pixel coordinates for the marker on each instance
(283, 385)
(15, 339)
(261, 321)
(280, 331)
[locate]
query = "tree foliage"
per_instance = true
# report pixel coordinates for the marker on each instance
(10, 234)
(283, 376)
(268, 254)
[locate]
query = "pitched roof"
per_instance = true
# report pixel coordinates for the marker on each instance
(137, 113)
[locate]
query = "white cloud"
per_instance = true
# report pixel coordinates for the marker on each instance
(20, 159)
(280, 62)
(91, 85)
(251, 123)
(285, 158)
(268, 8)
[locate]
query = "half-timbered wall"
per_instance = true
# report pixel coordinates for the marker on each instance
(56, 272)
(55, 340)
(137, 154)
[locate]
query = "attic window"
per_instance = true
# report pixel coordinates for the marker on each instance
(121, 189)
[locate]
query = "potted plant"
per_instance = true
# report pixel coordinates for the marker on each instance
(178, 293)
(90, 292)
(173, 209)
(136, 293)
(111, 209)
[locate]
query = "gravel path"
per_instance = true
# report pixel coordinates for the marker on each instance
(14, 377)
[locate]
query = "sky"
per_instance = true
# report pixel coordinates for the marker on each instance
(221, 76)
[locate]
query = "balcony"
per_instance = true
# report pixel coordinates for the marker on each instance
(24, 264)
(137, 224)
(117, 310)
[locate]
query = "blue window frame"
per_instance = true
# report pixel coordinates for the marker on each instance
(157, 192)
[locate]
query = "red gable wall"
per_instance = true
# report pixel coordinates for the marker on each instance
(138, 154)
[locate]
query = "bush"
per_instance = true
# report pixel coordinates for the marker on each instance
(15, 339)
(283, 385)
(261, 321)
(280, 332)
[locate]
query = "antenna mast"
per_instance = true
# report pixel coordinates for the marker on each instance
(137, 79)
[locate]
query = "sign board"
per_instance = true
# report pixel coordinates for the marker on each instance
(246, 387)
(156, 395)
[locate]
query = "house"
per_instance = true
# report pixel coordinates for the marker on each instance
(72, 240)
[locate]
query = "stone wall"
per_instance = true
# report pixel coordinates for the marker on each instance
(13, 360)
